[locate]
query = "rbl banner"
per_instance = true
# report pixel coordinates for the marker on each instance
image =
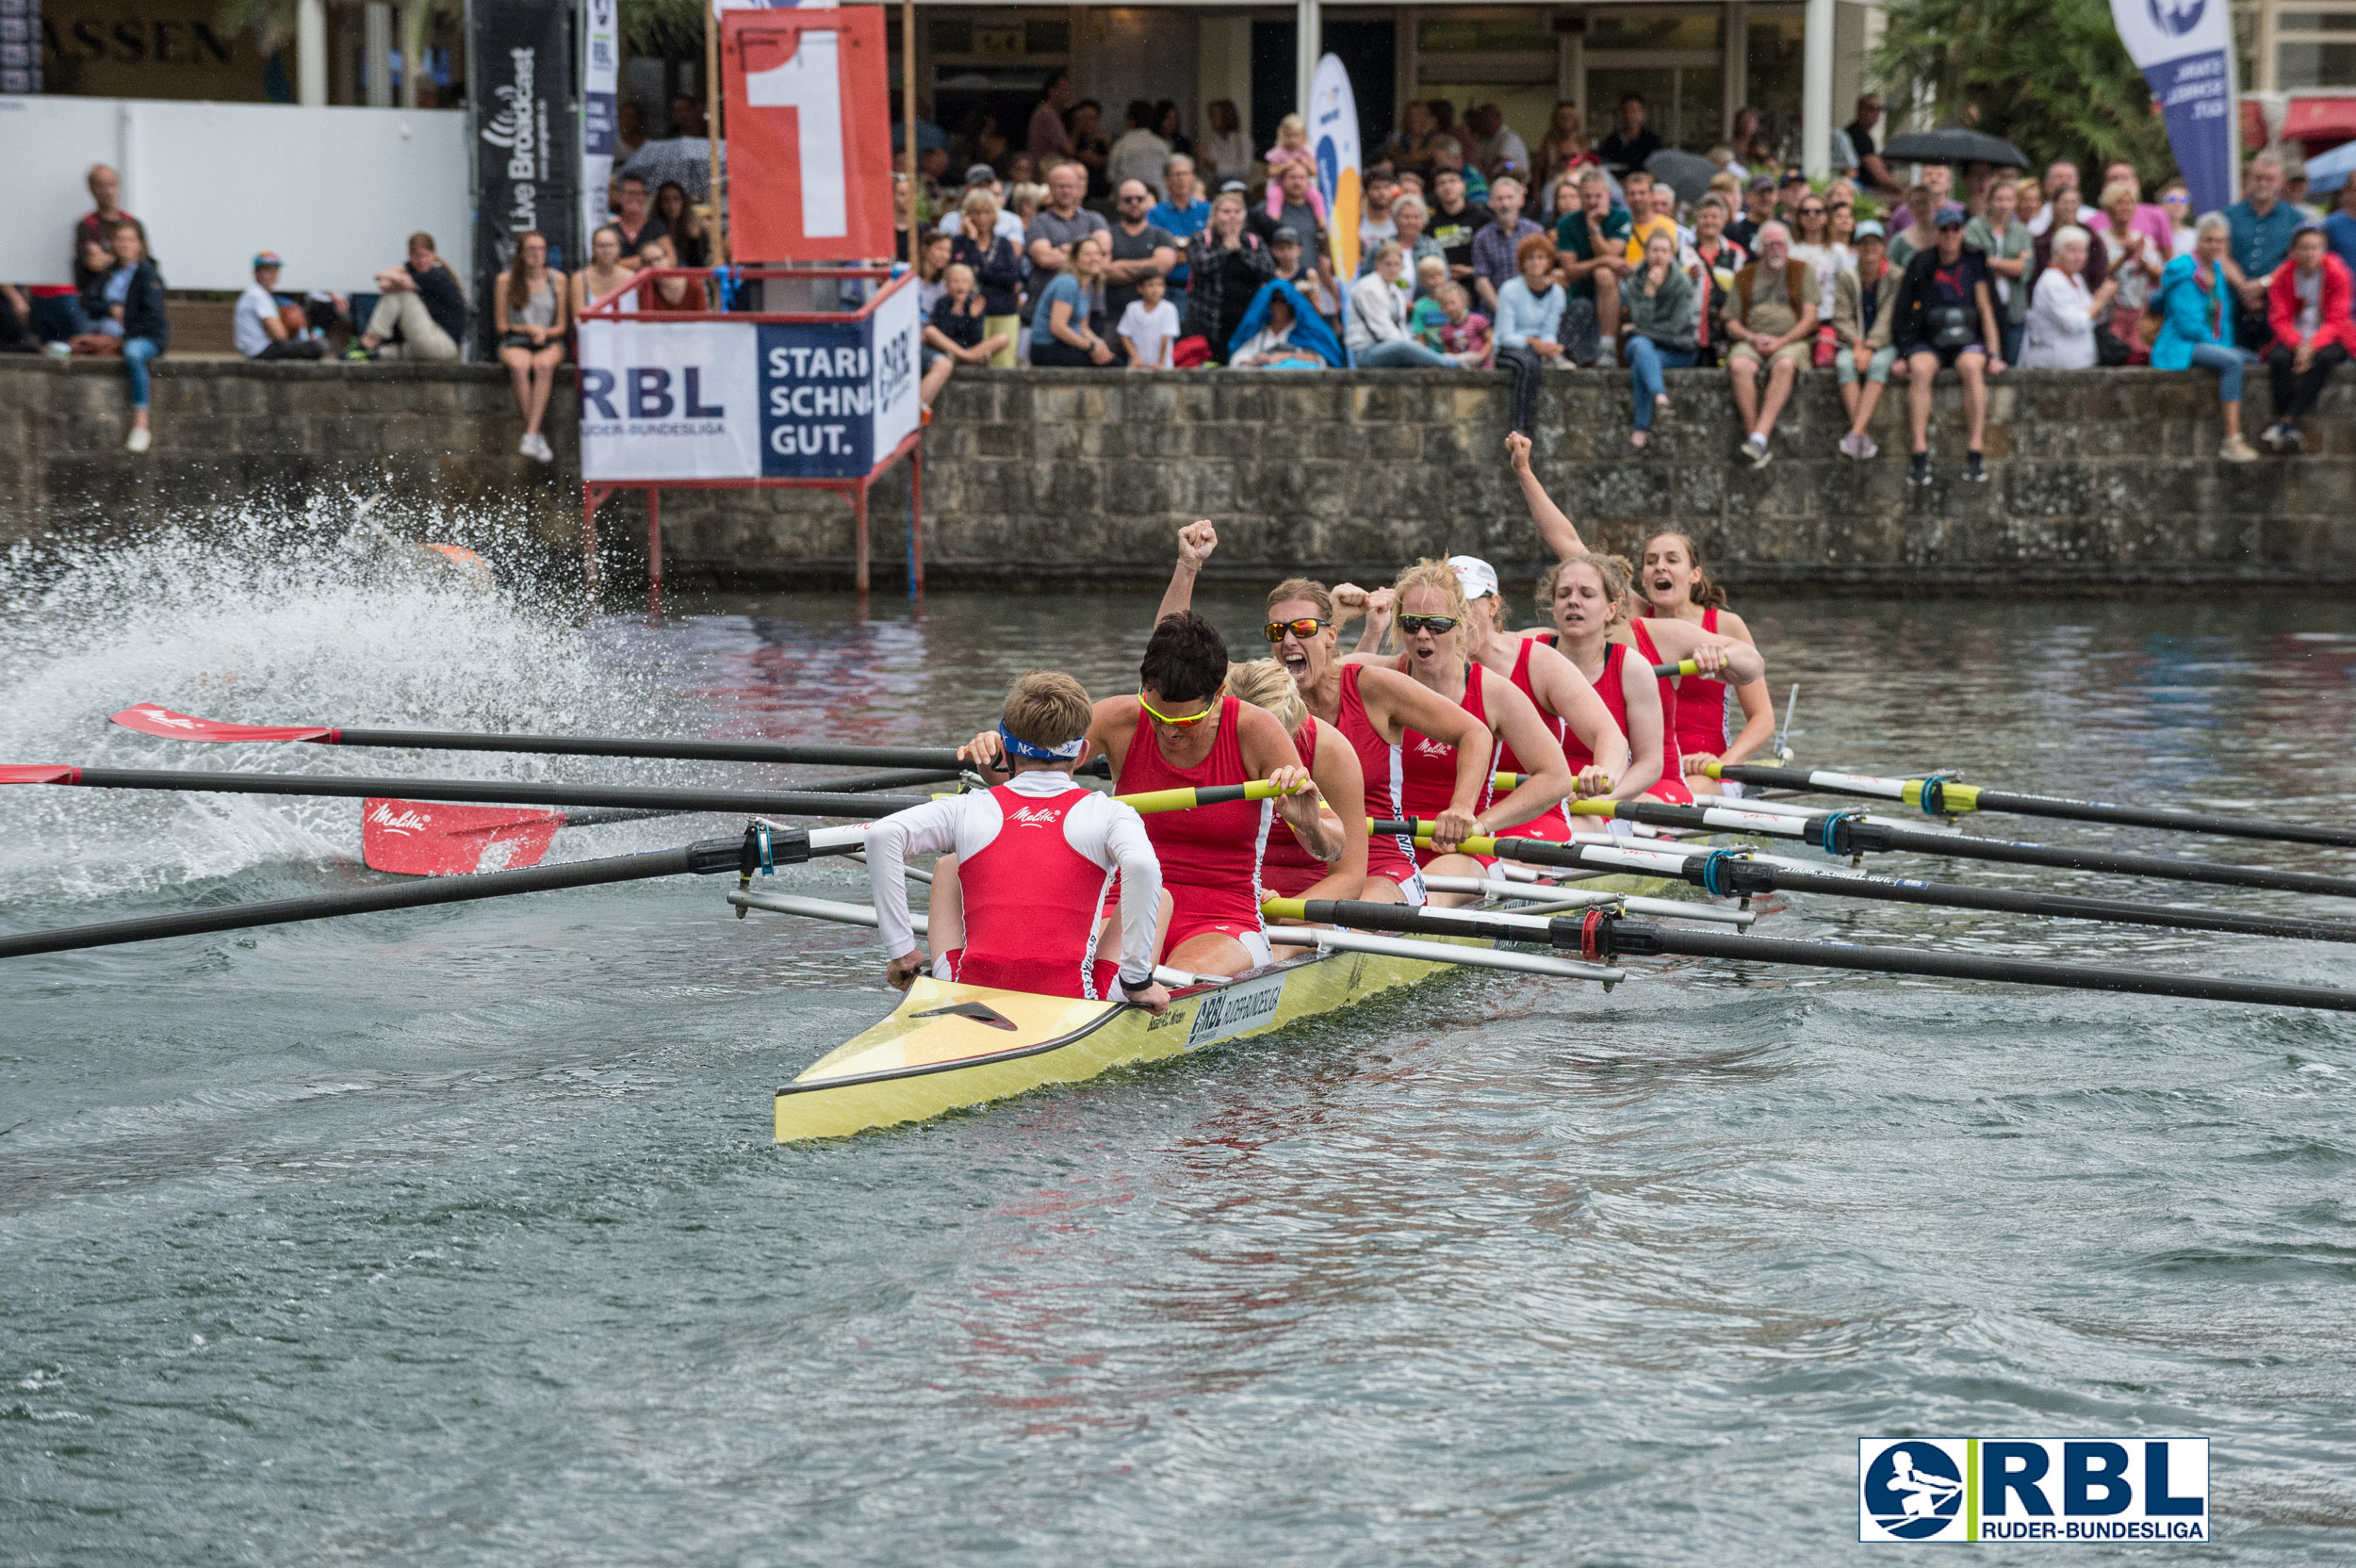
(809, 134)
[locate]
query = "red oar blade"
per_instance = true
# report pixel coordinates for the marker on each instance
(149, 719)
(416, 838)
(39, 773)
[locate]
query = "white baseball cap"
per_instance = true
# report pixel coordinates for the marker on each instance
(1477, 575)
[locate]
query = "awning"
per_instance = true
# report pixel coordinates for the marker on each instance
(2253, 125)
(2323, 120)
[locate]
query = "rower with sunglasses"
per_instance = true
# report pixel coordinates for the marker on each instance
(1436, 624)
(1375, 709)
(1180, 732)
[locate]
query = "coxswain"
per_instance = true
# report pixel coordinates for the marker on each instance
(1434, 623)
(1373, 709)
(1678, 587)
(1331, 861)
(1021, 906)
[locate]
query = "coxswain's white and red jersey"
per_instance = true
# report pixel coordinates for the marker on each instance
(1036, 861)
(1701, 725)
(1210, 857)
(1427, 768)
(1553, 825)
(1391, 855)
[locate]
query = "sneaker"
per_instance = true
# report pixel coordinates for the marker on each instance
(1853, 446)
(57, 351)
(2271, 437)
(141, 439)
(1755, 451)
(541, 450)
(1919, 470)
(358, 352)
(1637, 438)
(2292, 440)
(1867, 449)
(1975, 468)
(524, 445)
(2235, 449)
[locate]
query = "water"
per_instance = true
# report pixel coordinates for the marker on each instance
(458, 1237)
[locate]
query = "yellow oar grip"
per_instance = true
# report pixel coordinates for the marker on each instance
(1479, 844)
(1285, 908)
(1158, 800)
(1712, 768)
(1951, 795)
(1506, 780)
(1597, 807)
(1689, 667)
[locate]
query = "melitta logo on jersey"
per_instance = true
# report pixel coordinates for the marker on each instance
(2059, 1489)
(1036, 817)
(1426, 746)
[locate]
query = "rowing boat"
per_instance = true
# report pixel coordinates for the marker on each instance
(948, 1046)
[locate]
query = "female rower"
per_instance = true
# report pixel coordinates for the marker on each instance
(1331, 861)
(1374, 709)
(1678, 587)
(1436, 624)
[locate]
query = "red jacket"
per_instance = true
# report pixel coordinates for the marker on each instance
(2283, 306)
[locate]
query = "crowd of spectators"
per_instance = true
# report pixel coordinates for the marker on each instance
(1149, 250)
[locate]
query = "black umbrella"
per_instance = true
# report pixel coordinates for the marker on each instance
(1954, 144)
(1687, 173)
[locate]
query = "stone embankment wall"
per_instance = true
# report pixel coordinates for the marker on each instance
(2101, 479)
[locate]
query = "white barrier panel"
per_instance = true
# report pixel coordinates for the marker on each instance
(337, 191)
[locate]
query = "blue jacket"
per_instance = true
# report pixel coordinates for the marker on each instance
(143, 307)
(2184, 314)
(1309, 328)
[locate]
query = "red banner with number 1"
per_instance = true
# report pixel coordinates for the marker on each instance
(809, 134)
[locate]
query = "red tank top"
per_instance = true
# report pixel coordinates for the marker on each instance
(1033, 904)
(1701, 705)
(1378, 760)
(1615, 695)
(1212, 848)
(1553, 824)
(1288, 870)
(1427, 767)
(1670, 785)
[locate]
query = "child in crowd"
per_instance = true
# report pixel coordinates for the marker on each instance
(1430, 273)
(954, 333)
(1463, 332)
(1150, 325)
(1292, 145)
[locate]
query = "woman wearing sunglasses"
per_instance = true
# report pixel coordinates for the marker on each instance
(1435, 625)
(1369, 711)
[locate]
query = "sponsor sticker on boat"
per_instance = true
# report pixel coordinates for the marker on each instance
(2057, 1488)
(1247, 1006)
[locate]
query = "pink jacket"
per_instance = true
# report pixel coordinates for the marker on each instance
(1276, 202)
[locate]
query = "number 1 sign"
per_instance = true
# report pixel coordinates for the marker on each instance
(809, 134)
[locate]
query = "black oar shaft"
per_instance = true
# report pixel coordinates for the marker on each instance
(1853, 836)
(941, 760)
(2014, 804)
(706, 857)
(806, 803)
(1602, 939)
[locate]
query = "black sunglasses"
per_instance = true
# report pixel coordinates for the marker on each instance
(1439, 626)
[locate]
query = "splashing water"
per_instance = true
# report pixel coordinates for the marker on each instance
(317, 615)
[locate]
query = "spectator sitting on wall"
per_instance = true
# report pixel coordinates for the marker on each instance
(1944, 317)
(637, 224)
(1660, 323)
(1462, 333)
(1138, 154)
(95, 329)
(2262, 224)
(1422, 314)
(1140, 250)
(1861, 318)
(1530, 326)
(2196, 306)
(2060, 330)
(685, 227)
(97, 226)
(1771, 323)
(1226, 265)
(1379, 338)
(932, 261)
(1061, 223)
(2132, 258)
(1066, 325)
(1714, 261)
(1631, 142)
(1588, 246)
(420, 305)
(2309, 305)
(605, 276)
(1149, 325)
(134, 296)
(996, 262)
(261, 326)
(531, 313)
(1499, 242)
(956, 334)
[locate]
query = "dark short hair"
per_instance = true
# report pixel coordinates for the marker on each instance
(1185, 659)
(1053, 77)
(1636, 98)
(638, 180)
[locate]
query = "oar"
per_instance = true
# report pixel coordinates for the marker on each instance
(754, 851)
(1942, 796)
(1732, 873)
(1599, 937)
(805, 803)
(864, 914)
(1847, 833)
(150, 719)
(1569, 898)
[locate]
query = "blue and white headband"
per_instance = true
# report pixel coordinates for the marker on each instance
(1068, 752)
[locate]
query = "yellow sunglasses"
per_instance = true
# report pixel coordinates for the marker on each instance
(1164, 718)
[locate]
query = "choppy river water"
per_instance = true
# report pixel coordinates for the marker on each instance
(458, 1237)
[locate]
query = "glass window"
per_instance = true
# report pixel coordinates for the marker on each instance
(1654, 30)
(1776, 58)
(2300, 65)
(2316, 22)
(1047, 36)
(1685, 105)
(1526, 28)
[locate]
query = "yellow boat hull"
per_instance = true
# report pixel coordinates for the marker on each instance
(949, 1046)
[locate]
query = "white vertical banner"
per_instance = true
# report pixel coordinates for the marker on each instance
(600, 70)
(669, 401)
(899, 328)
